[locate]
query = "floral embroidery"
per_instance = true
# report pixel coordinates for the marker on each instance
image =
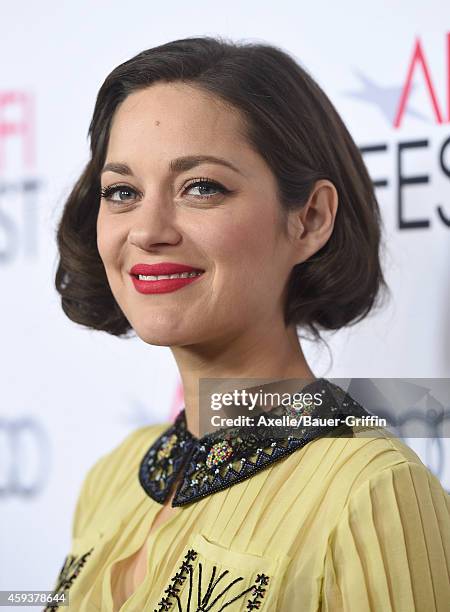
(204, 603)
(298, 407)
(223, 458)
(71, 568)
(219, 452)
(167, 447)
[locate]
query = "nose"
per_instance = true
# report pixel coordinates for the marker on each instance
(153, 224)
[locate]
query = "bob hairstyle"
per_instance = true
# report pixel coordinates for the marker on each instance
(292, 124)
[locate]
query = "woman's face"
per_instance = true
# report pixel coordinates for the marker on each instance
(230, 226)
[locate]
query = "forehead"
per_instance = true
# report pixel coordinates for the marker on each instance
(177, 118)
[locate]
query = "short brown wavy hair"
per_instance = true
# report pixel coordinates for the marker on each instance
(293, 125)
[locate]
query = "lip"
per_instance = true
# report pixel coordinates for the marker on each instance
(162, 268)
(165, 285)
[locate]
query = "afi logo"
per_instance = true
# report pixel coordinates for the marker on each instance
(19, 191)
(419, 62)
(17, 121)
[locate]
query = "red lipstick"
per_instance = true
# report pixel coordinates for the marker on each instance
(185, 275)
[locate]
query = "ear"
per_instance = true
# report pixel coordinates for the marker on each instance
(312, 225)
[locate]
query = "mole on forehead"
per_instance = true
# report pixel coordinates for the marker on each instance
(156, 122)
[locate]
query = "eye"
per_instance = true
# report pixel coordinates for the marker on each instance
(203, 184)
(107, 193)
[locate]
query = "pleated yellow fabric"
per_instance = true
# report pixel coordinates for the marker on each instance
(342, 524)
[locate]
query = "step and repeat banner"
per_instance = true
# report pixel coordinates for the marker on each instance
(69, 395)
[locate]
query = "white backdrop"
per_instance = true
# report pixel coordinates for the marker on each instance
(55, 55)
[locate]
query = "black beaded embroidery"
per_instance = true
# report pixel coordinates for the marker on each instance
(225, 457)
(164, 459)
(71, 568)
(204, 603)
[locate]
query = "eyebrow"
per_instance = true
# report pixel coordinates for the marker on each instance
(180, 164)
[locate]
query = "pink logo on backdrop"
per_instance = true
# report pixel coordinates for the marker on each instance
(395, 101)
(17, 121)
(419, 61)
(19, 222)
(395, 104)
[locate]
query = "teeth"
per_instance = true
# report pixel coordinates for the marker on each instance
(168, 276)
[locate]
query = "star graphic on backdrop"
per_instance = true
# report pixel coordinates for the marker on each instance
(385, 98)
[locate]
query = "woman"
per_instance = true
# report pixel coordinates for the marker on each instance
(224, 169)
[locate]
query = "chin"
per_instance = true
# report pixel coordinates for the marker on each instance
(165, 335)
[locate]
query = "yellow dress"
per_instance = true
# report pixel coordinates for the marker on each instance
(354, 524)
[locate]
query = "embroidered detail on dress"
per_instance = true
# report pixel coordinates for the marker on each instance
(167, 447)
(219, 452)
(162, 462)
(223, 458)
(71, 568)
(258, 592)
(204, 603)
(298, 407)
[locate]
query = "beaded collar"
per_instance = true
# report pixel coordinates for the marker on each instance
(227, 456)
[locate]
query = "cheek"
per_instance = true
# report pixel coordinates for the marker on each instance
(101, 235)
(107, 242)
(243, 243)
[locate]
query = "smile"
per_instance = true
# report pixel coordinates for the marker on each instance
(166, 276)
(164, 283)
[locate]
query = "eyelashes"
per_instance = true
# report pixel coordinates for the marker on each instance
(106, 193)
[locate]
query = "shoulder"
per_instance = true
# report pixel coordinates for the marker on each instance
(364, 511)
(333, 469)
(391, 539)
(367, 453)
(124, 458)
(381, 476)
(113, 475)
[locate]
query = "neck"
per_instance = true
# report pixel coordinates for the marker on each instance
(274, 355)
